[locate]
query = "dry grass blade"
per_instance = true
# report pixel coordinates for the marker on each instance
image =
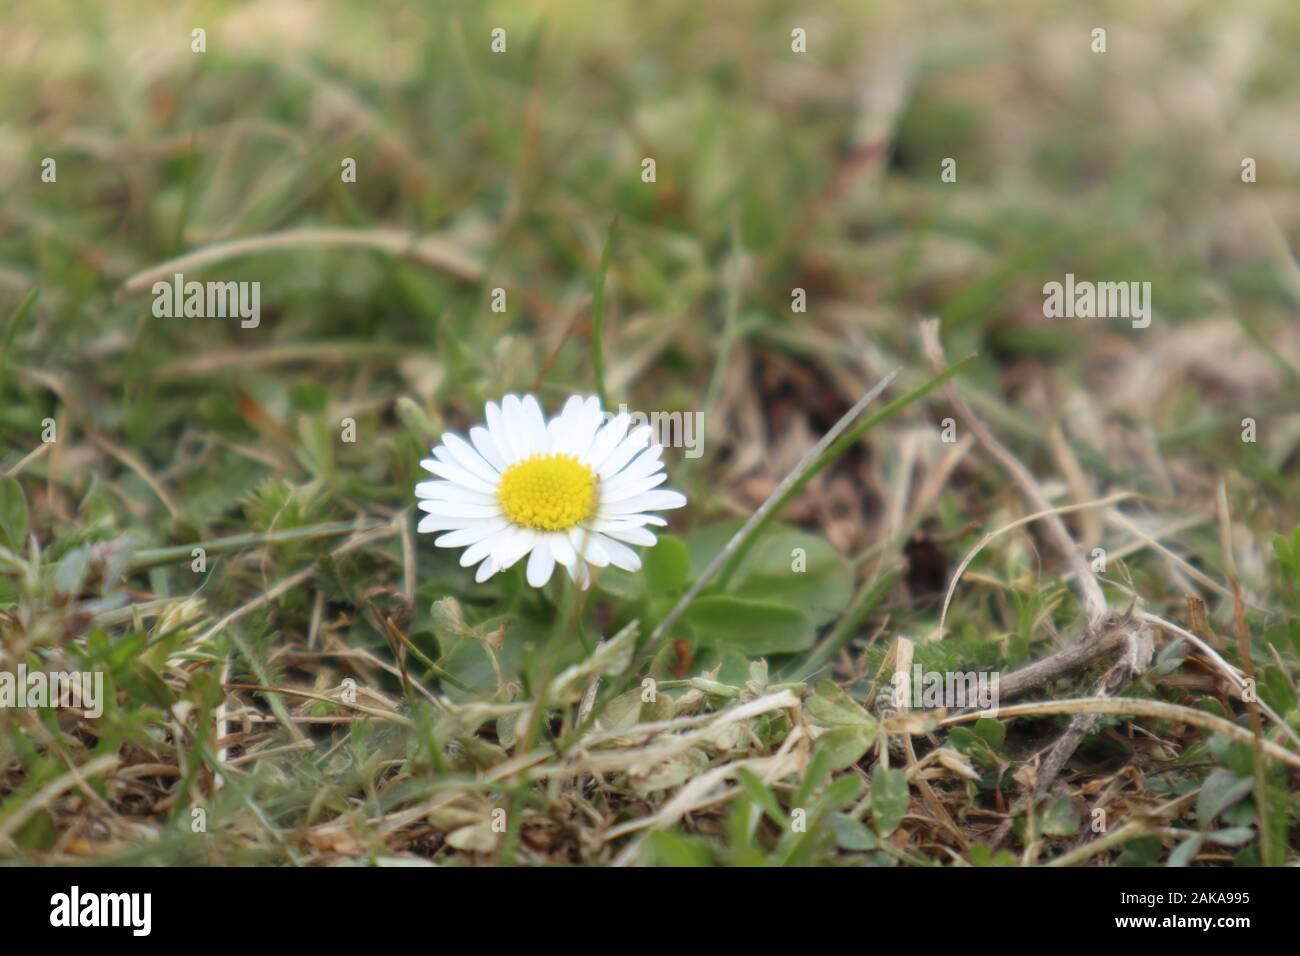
(1019, 523)
(433, 252)
(1094, 599)
(1137, 707)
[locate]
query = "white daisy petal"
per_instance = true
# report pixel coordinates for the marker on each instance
(632, 534)
(541, 564)
(465, 456)
(486, 570)
(620, 488)
(580, 574)
(501, 434)
(479, 550)
(635, 520)
(442, 523)
(661, 499)
(457, 509)
(647, 463)
(445, 522)
(521, 437)
(441, 490)
(482, 439)
(471, 535)
(460, 524)
(620, 555)
(534, 420)
(620, 456)
(585, 542)
(510, 548)
(561, 548)
(563, 427)
(589, 417)
(607, 439)
(459, 475)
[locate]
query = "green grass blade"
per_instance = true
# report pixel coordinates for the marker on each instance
(598, 318)
(11, 332)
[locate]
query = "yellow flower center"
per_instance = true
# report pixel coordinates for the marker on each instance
(547, 492)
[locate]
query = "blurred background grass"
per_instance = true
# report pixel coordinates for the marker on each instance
(819, 171)
(775, 170)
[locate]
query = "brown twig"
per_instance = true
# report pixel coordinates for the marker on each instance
(1247, 666)
(1135, 635)
(1094, 599)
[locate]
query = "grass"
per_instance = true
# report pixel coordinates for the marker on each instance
(295, 677)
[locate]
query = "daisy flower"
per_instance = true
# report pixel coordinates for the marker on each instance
(571, 491)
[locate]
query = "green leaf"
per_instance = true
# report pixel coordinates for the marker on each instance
(464, 658)
(317, 451)
(818, 767)
(623, 711)
(823, 587)
(1061, 818)
(1275, 689)
(672, 849)
(846, 745)
(841, 792)
(889, 799)
(71, 571)
(1232, 836)
(982, 855)
(1221, 790)
(852, 834)
(666, 565)
(993, 731)
(768, 572)
(1234, 755)
(1240, 814)
(1144, 851)
(1182, 856)
(762, 797)
(963, 738)
(832, 706)
(976, 745)
(13, 515)
(749, 626)
(715, 688)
